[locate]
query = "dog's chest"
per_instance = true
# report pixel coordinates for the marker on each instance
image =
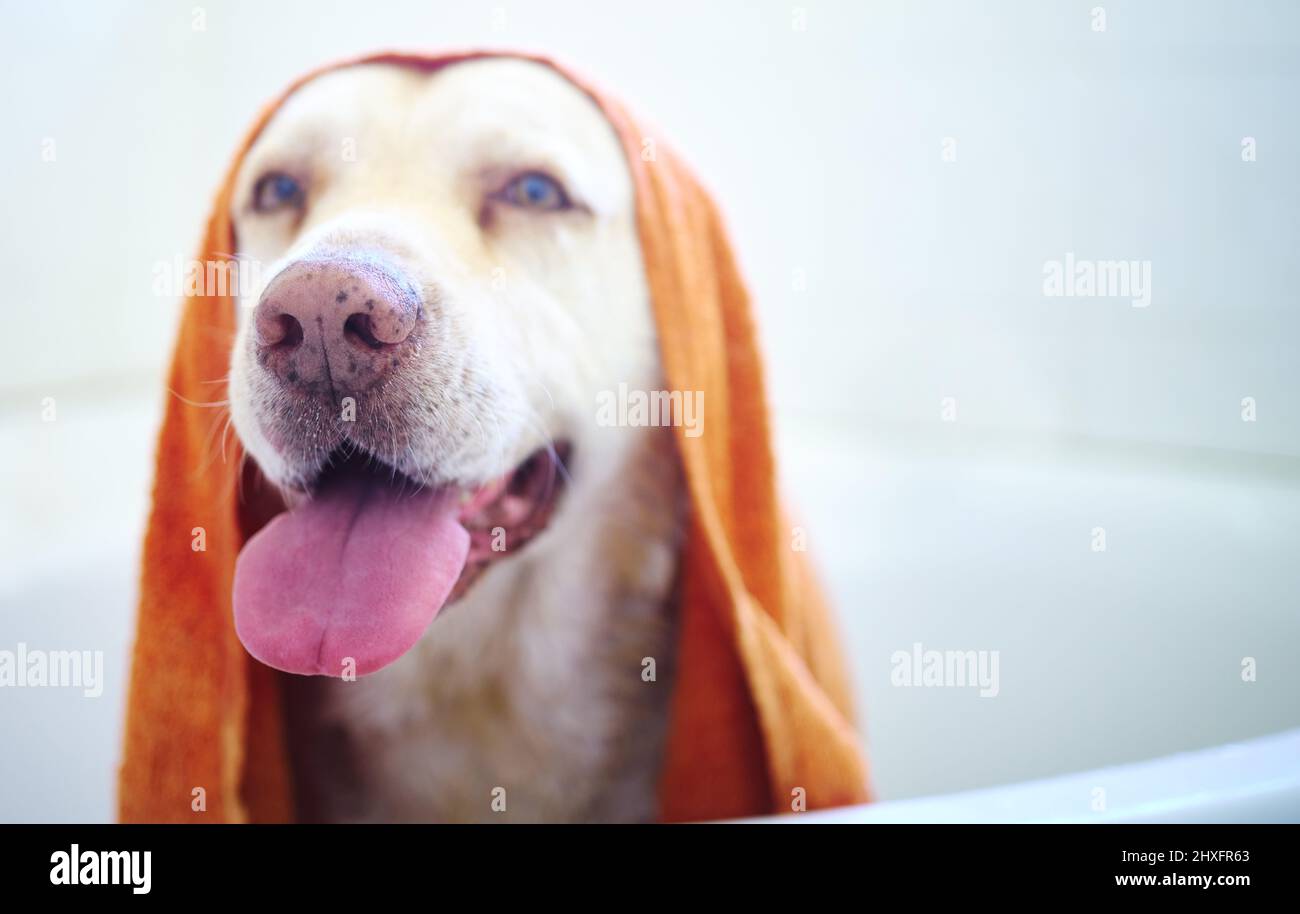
(541, 696)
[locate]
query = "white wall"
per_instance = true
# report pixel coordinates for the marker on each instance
(923, 277)
(886, 279)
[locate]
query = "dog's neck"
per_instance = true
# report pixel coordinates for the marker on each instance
(541, 694)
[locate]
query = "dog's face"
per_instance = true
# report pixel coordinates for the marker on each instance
(495, 195)
(451, 272)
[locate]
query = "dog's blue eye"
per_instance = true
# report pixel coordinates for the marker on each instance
(535, 190)
(275, 191)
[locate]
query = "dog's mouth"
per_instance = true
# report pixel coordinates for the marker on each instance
(347, 580)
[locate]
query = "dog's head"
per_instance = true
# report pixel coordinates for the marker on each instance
(451, 272)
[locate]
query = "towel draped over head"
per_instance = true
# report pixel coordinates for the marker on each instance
(760, 715)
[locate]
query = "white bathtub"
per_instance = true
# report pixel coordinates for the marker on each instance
(958, 540)
(1253, 781)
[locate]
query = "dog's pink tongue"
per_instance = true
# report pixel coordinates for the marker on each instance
(356, 574)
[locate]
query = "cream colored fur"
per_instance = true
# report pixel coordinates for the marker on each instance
(529, 689)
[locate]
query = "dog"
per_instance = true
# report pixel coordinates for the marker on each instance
(452, 277)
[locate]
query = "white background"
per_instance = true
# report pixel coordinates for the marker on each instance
(921, 279)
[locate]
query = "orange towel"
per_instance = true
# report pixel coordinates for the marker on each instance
(760, 715)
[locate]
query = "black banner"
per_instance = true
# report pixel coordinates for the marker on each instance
(332, 863)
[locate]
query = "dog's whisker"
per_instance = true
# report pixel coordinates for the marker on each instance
(230, 418)
(210, 448)
(215, 404)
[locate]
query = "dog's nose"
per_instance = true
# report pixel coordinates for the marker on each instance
(337, 324)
